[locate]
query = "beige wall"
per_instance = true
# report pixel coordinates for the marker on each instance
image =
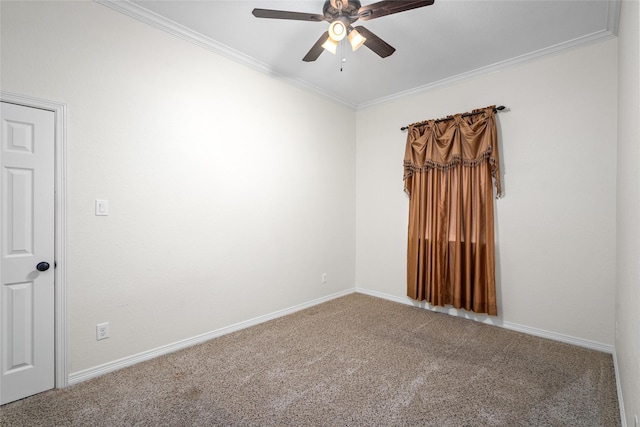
(227, 202)
(556, 222)
(221, 212)
(628, 212)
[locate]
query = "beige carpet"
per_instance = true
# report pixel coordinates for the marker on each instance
(353, 361)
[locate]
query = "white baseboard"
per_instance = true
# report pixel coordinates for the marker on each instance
(623, 418)
(515, 327)
(581, 342)
(115, 365)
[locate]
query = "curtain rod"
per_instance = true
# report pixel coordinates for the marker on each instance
(495, 110)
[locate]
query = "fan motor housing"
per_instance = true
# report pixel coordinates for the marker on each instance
(350, 9)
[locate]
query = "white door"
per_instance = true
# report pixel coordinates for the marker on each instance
(27, 238)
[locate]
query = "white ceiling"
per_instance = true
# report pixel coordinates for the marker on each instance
(437, 44)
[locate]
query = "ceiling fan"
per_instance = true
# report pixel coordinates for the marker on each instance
(341, 14)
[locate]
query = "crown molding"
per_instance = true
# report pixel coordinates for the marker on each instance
(551, 50)
(151, 18)
(613, 18)
(148, 17)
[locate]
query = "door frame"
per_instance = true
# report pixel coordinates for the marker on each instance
(60, 226)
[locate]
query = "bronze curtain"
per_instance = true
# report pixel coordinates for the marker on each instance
(448, 169)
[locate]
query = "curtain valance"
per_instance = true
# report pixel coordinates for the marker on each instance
(454, 140)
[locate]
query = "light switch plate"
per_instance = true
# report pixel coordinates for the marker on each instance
(102, 207)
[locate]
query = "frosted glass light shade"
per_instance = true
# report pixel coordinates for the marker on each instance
(330, 45)
(356, 39)
(337, 30)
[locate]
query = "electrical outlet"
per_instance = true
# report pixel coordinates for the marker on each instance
(324, 278)
(102, 331)
(635, 421)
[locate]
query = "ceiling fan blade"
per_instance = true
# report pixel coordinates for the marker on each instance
(384, 8)
(317, 48)
(283, 14)
(375, 43)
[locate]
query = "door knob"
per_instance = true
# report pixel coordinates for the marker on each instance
(42, 266)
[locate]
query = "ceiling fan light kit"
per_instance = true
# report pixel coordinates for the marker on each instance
(341, 14)
(330, 45)
(355, 38)
(337, 30)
